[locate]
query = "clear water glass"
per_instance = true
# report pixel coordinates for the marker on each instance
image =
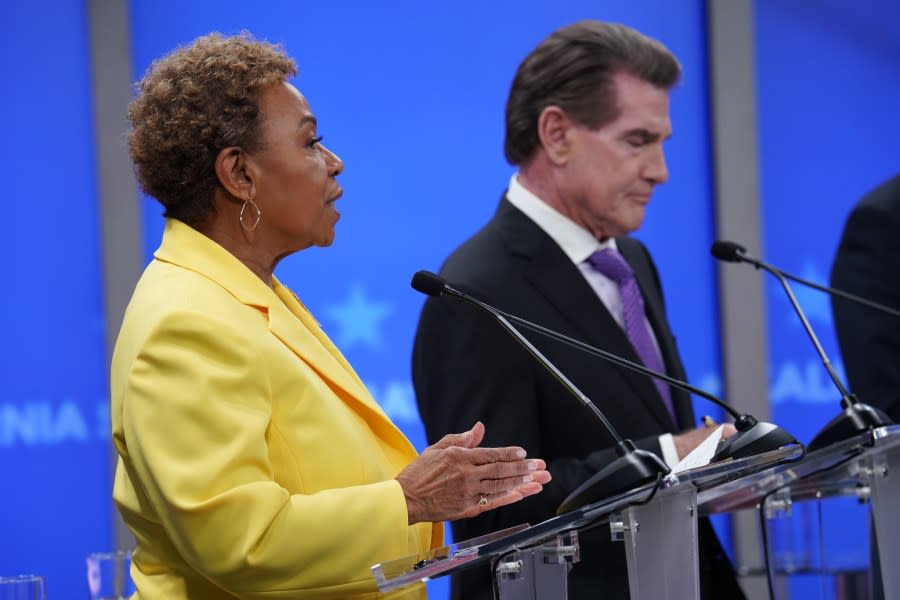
(109, 575)
(23, 587)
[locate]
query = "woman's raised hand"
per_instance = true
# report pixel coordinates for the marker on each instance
(455, 479)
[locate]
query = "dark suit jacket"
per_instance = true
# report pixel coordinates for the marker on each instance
(466, 368)
(868, 265)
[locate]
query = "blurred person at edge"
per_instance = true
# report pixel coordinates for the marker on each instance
(253, 463)
(867, 263)
(586, 120)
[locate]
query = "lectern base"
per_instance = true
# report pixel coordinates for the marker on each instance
(538, 573)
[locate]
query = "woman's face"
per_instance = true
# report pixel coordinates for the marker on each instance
(294, 174)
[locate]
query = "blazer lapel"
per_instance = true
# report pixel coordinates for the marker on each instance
(288, 319)
(294, 325)
(554, 276)
(311, 344)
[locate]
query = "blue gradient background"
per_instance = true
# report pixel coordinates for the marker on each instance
(411, 96)
(828, 77)
(54, 432)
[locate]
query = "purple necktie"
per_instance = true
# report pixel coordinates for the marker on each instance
(611, 264)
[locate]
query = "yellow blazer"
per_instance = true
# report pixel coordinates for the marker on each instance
(252, 463)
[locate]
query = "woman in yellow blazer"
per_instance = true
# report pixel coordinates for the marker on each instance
(253, 463)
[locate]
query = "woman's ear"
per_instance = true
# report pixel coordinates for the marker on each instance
(233, 174)
(553, 132)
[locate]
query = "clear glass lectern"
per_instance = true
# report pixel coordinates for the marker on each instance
(657, 522)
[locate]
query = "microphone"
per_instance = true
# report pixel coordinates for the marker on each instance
(633, 467)
(752, 438)
(732, 252)
(856, 416)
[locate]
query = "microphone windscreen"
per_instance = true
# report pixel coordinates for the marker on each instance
(428, 283)
(728, 251)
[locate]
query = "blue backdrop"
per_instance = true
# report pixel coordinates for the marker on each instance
(828, 75)
(411, 96)
(54, 432)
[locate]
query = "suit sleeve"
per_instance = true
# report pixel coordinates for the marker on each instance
(196, 414)
(467, 368)
(868, 265)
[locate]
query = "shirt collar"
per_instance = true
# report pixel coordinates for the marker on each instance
(574, 240)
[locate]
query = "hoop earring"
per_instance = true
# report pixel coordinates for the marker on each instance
(255, 221)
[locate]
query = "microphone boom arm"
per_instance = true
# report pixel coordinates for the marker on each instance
(622, 362)
(501, 318)
(809, 330)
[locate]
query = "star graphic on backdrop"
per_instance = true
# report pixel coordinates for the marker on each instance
(813, 302)
(359, 318)
(397, 399)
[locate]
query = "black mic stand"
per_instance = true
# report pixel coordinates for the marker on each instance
(752, 437)
(856, 416)
(633, 468)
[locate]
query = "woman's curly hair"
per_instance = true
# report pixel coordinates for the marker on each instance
(191, 104)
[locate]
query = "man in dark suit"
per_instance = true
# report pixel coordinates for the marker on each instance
(586, 118)
(868, 264)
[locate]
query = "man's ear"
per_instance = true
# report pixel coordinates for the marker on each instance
(234, 174)
(553, 132)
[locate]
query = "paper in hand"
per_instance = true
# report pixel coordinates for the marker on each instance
(702, 454)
